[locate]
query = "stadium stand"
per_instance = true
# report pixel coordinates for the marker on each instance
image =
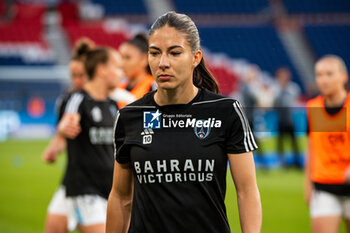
(2, 8)
(317, 6)
(69, 12)
(256, 44)
(22, 38)
(228, 81)
(330, 39)
(220, 6)
(97, 30)
(115, 7)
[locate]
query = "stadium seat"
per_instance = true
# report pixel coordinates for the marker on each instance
(227, 80)
(317, 6)
(330, 39)
(257, 44)
(96, 32)
(120, 7)
(220, 6)
(22, 41)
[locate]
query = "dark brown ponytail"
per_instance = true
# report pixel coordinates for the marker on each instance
(201, 75)
(203, 78)
(81, 48)
(95, 57)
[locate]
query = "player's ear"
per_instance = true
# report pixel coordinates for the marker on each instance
(345, 80)
(197, 58)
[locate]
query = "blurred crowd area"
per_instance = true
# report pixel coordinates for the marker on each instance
(262, 52)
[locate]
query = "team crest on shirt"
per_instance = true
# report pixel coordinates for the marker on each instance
(96, 114)
(151, 119)
(201, 130)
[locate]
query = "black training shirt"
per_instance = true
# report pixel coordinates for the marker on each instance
(90, 154)
(178, 154)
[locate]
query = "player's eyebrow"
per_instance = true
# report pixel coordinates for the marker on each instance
(170, 48)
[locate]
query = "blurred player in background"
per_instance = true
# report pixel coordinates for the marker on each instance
(139, 80)
(120, 95)
(87, 124)
(173, 179)
(78, 79)
(287, 94)
(256, 99)
(327, 171)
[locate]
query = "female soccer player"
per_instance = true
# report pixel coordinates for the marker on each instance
(88, 126)
(135, 66)
(56, 220)
(78, 79)
(327, 171)
(172, 146)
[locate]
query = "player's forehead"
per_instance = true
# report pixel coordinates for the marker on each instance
(167, 37)
(329, 64)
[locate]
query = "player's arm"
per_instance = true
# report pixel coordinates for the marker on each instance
(120, 199)
(56, 146)
(308, 186)
(249, 205)
(69, 125)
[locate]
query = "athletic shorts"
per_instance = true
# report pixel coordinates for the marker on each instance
(84, 210)
(323, 204)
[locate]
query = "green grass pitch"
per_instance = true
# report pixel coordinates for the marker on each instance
(27, 185)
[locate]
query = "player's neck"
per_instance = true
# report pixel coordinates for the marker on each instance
(97, 90)
(175, 96)
(336, 99)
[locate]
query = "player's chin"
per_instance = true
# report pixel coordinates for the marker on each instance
(166, 85)
(326, 91)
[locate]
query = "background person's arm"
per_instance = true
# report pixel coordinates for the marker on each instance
(120, 199)
(249, 205)
(69, 125)
(308, 186)
(56, 146)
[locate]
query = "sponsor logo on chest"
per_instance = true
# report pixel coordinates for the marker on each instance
(154, 120)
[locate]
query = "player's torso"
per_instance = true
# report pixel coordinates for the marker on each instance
(330, 141)
(90, 154)
(171, 142)
(178, 150)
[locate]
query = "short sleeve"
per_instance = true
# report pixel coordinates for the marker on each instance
(239, 137)
(74, 103)
(121, 155)
(60, 106)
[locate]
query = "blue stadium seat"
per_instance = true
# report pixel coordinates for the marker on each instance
(18, 61)
(257, 44)
(317, 6)
(114, 7)
(330, 39)
(220, 6)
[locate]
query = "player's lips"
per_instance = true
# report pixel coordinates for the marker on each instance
(165, 77)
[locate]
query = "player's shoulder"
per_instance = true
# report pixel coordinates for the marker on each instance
(75, 100)
(146, 102)
(315, 102)
(211, 98)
